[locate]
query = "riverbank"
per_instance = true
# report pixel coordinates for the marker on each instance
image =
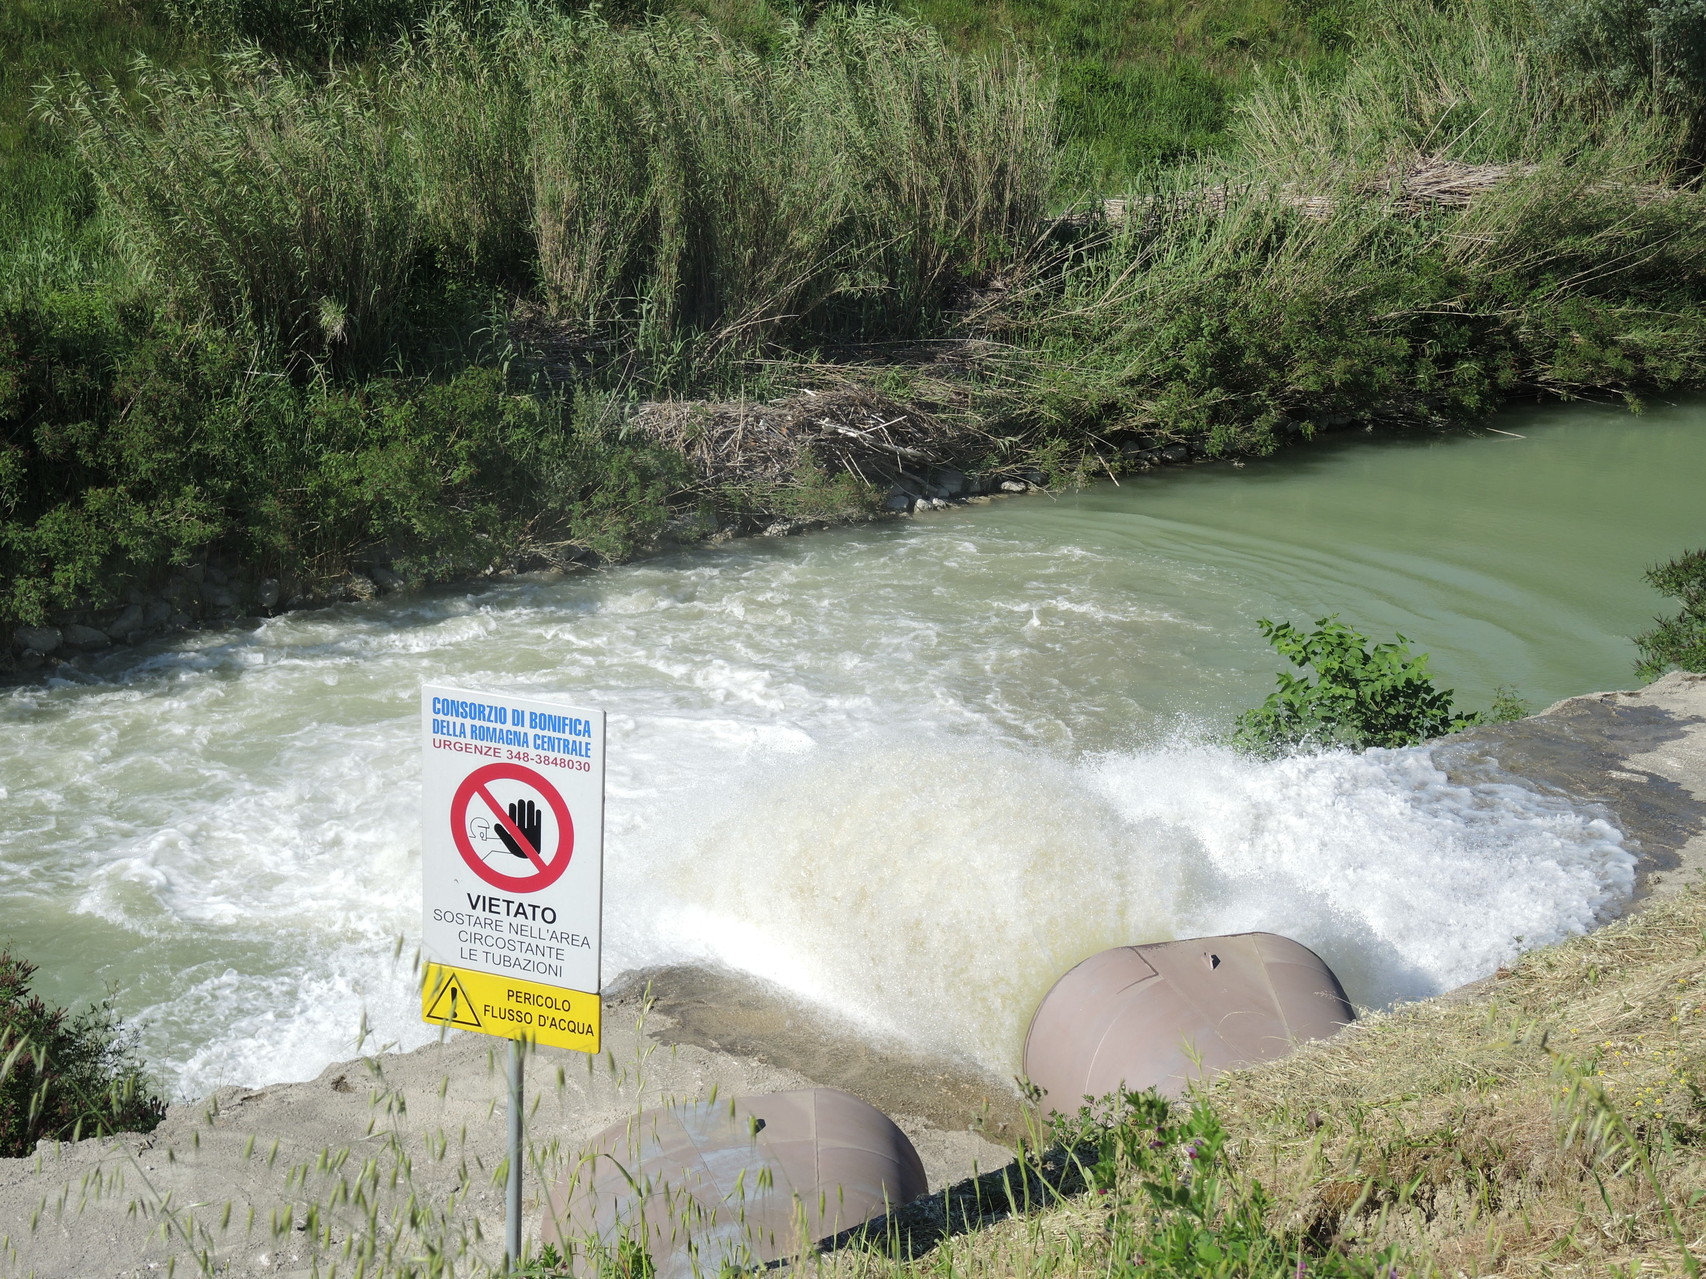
(880, 265)
(1638, 757)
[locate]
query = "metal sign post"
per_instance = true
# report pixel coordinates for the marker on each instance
(512, 1190)
(512, 864)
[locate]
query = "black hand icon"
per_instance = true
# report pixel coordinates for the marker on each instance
(528, 820)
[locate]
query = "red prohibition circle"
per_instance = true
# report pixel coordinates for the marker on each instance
(475, 784)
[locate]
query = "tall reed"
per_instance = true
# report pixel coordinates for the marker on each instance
(950, 161)
(685, 181)
(261, 197)
(1464, 80)
(713, 190)
(461, 98)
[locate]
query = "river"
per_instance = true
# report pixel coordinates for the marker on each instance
(911, 770)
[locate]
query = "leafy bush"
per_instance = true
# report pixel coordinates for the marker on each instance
(1363, 694)
(65, 1077)
(1641, 49)
(303, 30)
(122, 452)
(1678, 641)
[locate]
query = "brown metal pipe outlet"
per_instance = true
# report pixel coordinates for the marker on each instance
(1162, 1015)
(740, 1182)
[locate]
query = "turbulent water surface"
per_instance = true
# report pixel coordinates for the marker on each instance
(914, 771)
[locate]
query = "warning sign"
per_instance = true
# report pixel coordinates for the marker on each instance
(505, 812)
(512, 865)
(512, 1008)
(449, 1003)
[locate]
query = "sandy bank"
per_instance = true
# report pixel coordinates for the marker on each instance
(266, 1181)
(232, 1179)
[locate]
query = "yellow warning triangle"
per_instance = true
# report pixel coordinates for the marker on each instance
(454, 1006)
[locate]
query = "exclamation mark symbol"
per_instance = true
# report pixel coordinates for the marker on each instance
(454, 991)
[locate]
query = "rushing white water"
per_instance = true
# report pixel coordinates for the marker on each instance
(913, 772)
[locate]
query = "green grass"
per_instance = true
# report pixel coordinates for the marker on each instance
(1151, 83)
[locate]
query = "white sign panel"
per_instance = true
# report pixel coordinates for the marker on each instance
(512, 847)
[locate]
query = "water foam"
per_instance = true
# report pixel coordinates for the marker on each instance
(936, 890)
(892, 769)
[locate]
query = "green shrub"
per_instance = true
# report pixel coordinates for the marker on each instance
(305, 30)
(123, 452)
(65, 1077)
(1647, 50)
(1679, 641)
(1363, 694)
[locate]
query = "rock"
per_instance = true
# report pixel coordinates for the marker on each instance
(156, 613)
(37, 639)
(180, 621)
(266, 594)
(1175, 453)
(358, 586)
(86, 637)
(30, 660)
(1014, 486)
(133, 638)
(386, 580)
(1032, 477)
(951, 483)
(180, 592)
(215, 596)
(129, 620)
(214, 576)
(898, 501)
(194, 573)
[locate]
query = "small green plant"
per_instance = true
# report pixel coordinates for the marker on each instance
(1363, 694)
(1178, 1203)
(65, 1077)
(1678, 641)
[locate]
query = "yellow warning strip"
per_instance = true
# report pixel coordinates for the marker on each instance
(511, 1008)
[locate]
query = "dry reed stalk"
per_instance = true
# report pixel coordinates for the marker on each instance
(1421, 185)
(845, 427)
